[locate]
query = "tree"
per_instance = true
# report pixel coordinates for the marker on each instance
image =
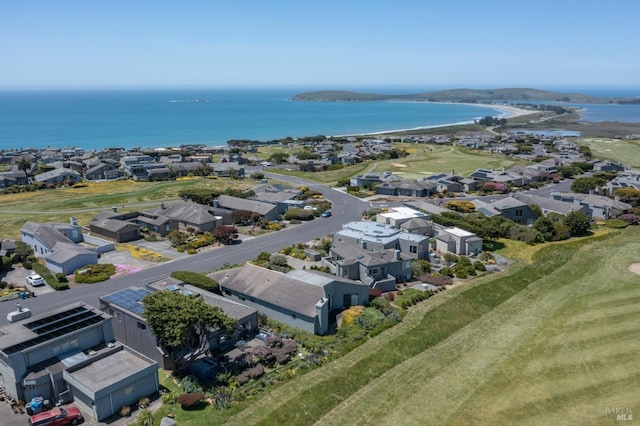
(244, 217)
(545, 227)
(24, 165)
(184, 325)
(578, 222)
(279, 157)
(585, 185)
(225, 233)
(420, 267)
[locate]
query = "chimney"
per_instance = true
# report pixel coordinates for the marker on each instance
(162, 205)
(73, 221)
(114, 209)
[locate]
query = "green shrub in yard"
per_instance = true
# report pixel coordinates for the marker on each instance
(197, 280)
(616, 223)
(95, 273)
(61, 277)
(299, 214)
(49, 278)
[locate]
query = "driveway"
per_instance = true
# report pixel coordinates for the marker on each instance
(18, 276)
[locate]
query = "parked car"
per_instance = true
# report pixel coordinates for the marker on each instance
(57, 417)
(35, 280)
(326, 213)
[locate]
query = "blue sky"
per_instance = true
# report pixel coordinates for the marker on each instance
(326, 43)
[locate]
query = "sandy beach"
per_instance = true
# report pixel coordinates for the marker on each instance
(508, 111)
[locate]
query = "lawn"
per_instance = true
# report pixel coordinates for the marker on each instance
(58, 205)
(616, 150)
(423, 160)
(551, 342)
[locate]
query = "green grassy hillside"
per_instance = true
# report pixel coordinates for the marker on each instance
(551, 342)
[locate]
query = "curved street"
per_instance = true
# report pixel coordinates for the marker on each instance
(346, 208)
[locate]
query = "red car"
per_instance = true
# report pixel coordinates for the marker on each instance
(57, 417)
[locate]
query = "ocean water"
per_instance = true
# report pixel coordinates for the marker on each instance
(171, 117)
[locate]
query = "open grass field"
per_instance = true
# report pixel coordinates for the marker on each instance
(616, 150)
(423, 160)
(555, 341)
(58, 205)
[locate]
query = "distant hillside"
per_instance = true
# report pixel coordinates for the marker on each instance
(456, 95)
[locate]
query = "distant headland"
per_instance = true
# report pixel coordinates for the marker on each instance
(463, 96)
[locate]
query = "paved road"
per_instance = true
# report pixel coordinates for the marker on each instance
(346, 208)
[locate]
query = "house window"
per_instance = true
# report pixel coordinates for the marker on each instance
(119, 316)
(142, 326)
(413, 249)
(519, 212)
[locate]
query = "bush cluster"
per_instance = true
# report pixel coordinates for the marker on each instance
(95, 273)
(190, 399)
(197, 280)
(436, 279)
(299, 214)
(411, 296)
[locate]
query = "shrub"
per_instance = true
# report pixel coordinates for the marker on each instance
(95, 273)
(616, 223)
(190, 384)
(144, 418)
(144, 402)
(479, 266)
(190, 399)
(170, 398)
(197, 280)
(436, 279)
(251, 373)
(486, 256)
(630, 218)
(61, 277)
(299, 214)
(27, 264)
(125, 410)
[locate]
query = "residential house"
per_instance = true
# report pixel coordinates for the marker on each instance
(377, 236)
(457, 241)
(549, 205)
(380, 269)
(509, 208)
(69, 354)
(601, 207)
(181, 215)
(409, 188)
(120, 231)
(131, 328)
(233, 169)
(7, 247)
(266, 210)
(607, 166)
(16, 177)
(98, 171)
(61, 175)
(396, 216)
(57, 244)
(308, 300)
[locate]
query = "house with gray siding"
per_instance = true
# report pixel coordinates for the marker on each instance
(57, 244)
(266, 210)
(308, 300)
(378, 269)
(457, 241)
(70, 354)
(378, 236)
(130, 327)
(509, 208)
(549, 205)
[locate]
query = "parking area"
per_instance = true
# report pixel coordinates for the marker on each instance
(18, 277)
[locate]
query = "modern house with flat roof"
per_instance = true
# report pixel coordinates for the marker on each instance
(378, 236)
(70, 354)
(457, 241)
(396, 216)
